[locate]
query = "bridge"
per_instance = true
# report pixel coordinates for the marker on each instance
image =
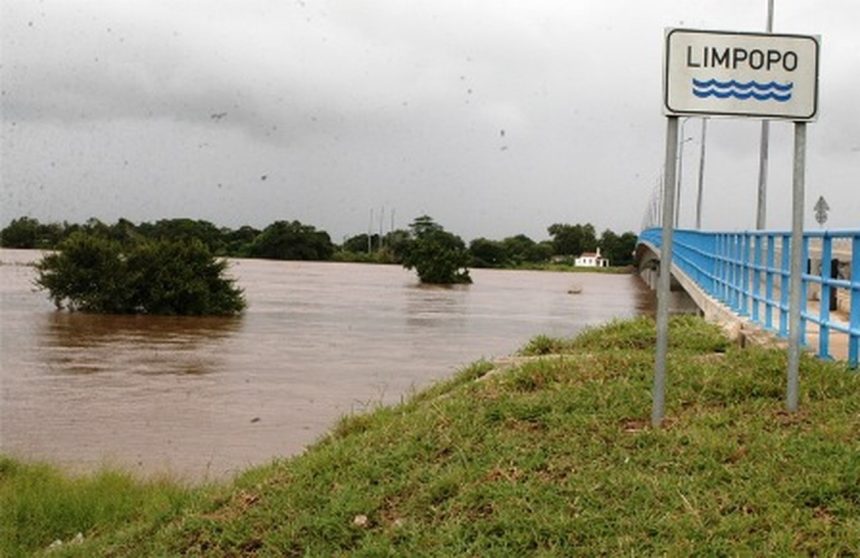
(743, 277)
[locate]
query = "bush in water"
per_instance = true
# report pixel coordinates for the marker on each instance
(438, 256)
(94, 274)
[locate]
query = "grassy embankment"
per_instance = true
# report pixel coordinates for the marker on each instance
(552, 456)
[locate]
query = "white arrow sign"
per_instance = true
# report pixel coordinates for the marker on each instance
(821, 208)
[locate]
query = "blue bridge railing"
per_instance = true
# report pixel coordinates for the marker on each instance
(749, 272)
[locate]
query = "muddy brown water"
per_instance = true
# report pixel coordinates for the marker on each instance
(203, 398)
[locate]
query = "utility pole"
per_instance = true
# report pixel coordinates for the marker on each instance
(370, 233)
(761, 206)
(381, 220)
(701, 174)
(681, 143)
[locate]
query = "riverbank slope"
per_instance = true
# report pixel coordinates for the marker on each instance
(550, 455)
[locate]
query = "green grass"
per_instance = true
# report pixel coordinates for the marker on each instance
(689, 333)
(39, 505)
(553, 457)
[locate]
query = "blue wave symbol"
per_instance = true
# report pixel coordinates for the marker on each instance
(772, 85)
(768, 91)
(742, 96)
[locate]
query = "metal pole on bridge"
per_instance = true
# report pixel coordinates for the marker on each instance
(664, 280)
(797, 196)
(701, 174)
(761, 200)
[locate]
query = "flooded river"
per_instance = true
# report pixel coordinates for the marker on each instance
(206, 397)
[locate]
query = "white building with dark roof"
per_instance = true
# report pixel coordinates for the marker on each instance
(591, 259)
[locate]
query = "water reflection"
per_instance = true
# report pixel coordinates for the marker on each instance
(435, 305)
(80, 343)
(77, 329)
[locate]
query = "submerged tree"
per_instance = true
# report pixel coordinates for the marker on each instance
(91, 273)
(438, 256)
(88, 273)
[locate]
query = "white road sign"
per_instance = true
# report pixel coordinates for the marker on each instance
(741, 74)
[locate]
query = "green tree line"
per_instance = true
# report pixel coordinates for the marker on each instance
(292, 240)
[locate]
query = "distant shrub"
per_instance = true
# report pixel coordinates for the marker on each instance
(94, 274)
(438, 256)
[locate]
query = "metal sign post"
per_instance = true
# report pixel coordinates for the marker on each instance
(664, 280)
(797, 192)
(719, 73)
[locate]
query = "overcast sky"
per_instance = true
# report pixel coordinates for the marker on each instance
(493, 117)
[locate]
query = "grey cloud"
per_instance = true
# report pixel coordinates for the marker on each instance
(347, 105)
